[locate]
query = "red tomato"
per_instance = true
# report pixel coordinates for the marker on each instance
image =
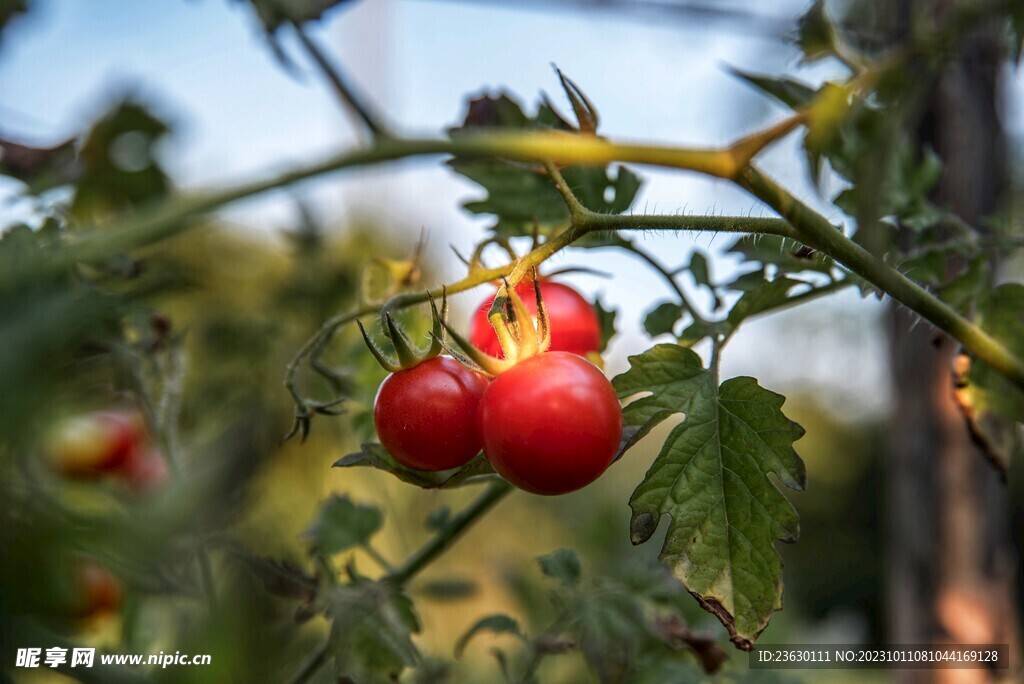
(144, 470)
(571, 318)
(95, 443)
(426, 415)
(551, 424)
(98, 591)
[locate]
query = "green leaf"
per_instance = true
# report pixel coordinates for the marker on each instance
(606, 321)
(712, 478)
(700, 270)
(496, 624)
(969, 286)
(376, 456)
(790, 92)
(764, 297)
(789, 256)
(521, 196)
(662, 318)
(611, 626)
(119, 164)
(10, 9)
(747, 281)
(816, 35)
(274, 13)
(438, 517)
(562, 565)
(342, 524)
(992, 405)
(371, 630)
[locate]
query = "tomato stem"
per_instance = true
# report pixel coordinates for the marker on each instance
(451, 531)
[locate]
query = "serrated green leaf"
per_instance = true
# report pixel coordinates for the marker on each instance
(496, 624)
(342, 524)
(371, 628)
(992, 405)
(662, 318)
(606, 322)
(376, 456)
(521, 196)
(712, 477)
(562, 565)
(788, 91)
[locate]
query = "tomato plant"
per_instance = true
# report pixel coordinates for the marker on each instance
(574, 324)
(426, 415)
(551, 424)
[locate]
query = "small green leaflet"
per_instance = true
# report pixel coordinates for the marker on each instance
(606, 321)
(562, 565)
(342, 524)
(712, 477)
(816, 35)
(496, 624)
(992, 405)
(788, 91)
(662, 318)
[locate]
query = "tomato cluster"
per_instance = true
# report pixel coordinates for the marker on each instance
(549, 424)
(102, 443)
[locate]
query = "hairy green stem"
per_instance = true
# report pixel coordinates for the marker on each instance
(816, 231)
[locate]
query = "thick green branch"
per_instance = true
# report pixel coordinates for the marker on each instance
(815, 231)
(168, 217)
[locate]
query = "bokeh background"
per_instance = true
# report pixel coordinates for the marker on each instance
(248, 287)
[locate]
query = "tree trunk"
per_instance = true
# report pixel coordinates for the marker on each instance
(952, 565)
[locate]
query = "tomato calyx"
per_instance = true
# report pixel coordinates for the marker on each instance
(520, 335)
(408, 355)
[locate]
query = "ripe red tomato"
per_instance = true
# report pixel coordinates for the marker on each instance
(426, 415)
(145, 469)
(551, 424)
(96, 443)
(98, 592)
(571, 318)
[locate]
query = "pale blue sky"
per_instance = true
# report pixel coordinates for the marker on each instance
(203, 65)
